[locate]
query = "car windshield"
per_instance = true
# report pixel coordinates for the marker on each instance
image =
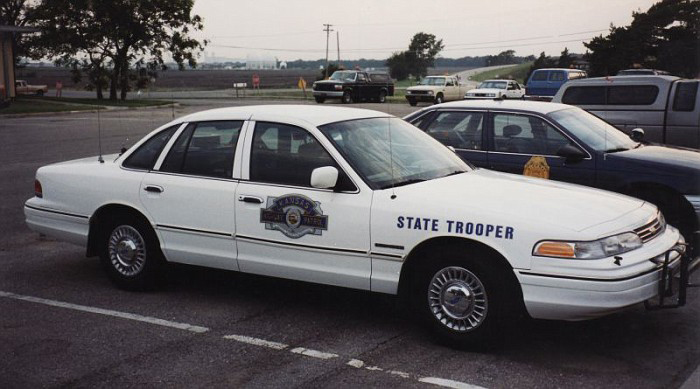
(433, 81)
(367, 145)
(493, 85)
(343, 76)
(593, 131)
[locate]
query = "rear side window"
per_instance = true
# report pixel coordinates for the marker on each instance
(145, 156)
(686, 94)
(540, 76)
(379, 77)
(204, 149)
(584, 95)
(632, 94)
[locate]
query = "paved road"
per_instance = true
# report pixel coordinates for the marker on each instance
(63, 324)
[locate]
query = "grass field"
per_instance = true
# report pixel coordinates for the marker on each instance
(131, 103)
(33, 105)
(517, 72)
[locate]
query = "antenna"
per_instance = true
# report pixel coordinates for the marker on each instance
(391, 160)
(99, 137)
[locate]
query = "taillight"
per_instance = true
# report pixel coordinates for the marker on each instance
(37, 189)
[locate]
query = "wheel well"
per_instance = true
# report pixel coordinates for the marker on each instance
(99, 219)
(421, 254)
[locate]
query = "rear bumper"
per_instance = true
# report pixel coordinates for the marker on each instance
(60, 225)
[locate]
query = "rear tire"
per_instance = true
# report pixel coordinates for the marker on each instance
(462, 300)
(131, 254)
(40, 93)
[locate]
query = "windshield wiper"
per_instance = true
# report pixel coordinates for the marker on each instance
(402, 183)
(454, 172)
(617, 150)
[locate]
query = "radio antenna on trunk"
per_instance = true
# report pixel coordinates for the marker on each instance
(391, 160)
(99, 137)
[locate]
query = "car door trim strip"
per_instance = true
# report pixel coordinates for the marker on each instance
(388, 246)
(56, 212)
(194, 230)
(341, 250)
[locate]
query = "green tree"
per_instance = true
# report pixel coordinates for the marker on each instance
(116, 42)
(541, 62)
(664, 37)
(565, 59)
(503, 58)
(16, 13)
(417, 59)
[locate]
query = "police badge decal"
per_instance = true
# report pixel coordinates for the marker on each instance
(537, 167)
(294, 215)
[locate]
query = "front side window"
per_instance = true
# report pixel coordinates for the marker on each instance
(283, 154)
(592, 131)
(493, 85)
(145, 156)
(204, 149)
(461, 130)
(435, 81)
(686, 93)
(343, 76)
(524, 134)
(388, 152)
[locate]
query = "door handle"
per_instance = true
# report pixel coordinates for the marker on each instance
(250, 199)
(153, 189)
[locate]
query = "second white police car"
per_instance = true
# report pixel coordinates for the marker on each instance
(359, 199)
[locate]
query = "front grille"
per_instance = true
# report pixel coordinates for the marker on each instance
(650, 230)
(326, 87)
(481, 94)
(419, 92)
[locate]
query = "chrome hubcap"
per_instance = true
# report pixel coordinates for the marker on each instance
(127, 250)
(457, 299)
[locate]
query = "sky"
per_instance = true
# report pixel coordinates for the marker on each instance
(293, 29)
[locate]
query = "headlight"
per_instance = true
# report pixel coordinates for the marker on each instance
(430, 92)
(313, 86)
(601, 248)
(408, 92)
(338, 87)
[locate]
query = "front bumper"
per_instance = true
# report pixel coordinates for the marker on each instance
(420, 97)
(328, 94)
(565, 296)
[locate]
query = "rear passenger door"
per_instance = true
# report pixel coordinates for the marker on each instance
(528, 144)
(190, 194)
(683, 122)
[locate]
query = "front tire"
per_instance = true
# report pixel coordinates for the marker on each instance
(347, 97)
(439, 99)
(319, 99)
(412, 102)
(382, 97)
(131, 255)
(460, 299)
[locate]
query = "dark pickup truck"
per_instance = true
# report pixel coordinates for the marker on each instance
(351, 86)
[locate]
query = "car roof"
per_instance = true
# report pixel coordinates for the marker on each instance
(497, 79)
(541, 107)
(565, 69)
(624, 79)
(315, 115)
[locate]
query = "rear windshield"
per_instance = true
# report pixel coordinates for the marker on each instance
(611, 95)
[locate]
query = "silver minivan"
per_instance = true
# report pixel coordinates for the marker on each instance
(667, 108)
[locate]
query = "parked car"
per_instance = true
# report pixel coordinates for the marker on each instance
(667, 108)
(565, 143)
(359, 199)
(354, 86)
(435, 89)
(543, 84)
(643, 72)
(496, 89)
(22, 88)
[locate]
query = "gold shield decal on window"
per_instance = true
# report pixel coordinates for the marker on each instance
(537, 167)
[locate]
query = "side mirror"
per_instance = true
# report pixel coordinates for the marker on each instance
(637, 135)
(571, 153)
(324, 177)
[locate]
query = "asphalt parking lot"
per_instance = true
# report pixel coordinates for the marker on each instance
(64, 324)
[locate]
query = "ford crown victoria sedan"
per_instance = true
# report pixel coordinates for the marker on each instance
(359, 199)
(496, 89)
(565, 143)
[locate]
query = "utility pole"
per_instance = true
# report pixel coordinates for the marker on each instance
(328, 30)
(337, 44)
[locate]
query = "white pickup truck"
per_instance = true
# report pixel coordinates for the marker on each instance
(22, 88)
(435, 89)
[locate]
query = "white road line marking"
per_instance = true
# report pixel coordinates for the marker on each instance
(374, 368)
(356, 363)
(313, 353)
(399, 373)
(257, 342)
(107, 312)
(448, 383)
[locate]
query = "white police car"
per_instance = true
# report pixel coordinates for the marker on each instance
(359, 199)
